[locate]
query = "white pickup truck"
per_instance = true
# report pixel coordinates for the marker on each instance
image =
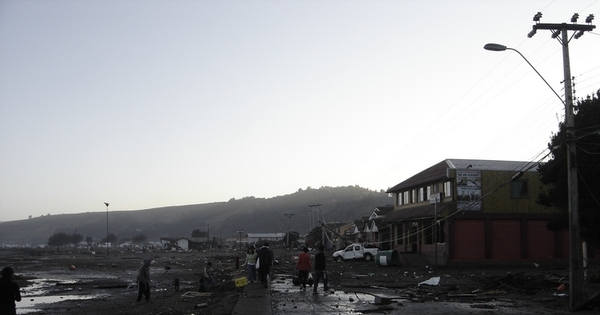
(356, 251)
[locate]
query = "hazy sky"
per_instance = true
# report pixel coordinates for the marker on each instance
(146, 104)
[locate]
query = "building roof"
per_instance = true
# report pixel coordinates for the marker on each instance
(439, 171)
(383, 210)
(265, 235)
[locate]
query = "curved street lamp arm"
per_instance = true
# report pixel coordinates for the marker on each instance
(534, 69)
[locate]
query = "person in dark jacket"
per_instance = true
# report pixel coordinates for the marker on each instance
(143, 281)
(9, 292)
(265, 259)
(209, 277)
(320, 269)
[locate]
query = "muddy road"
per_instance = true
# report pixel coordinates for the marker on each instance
(106, 285)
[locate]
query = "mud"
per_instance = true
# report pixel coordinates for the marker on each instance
(106, 285)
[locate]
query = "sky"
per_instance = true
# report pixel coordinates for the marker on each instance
(145, 104)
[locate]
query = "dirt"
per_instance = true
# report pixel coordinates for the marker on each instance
(106, 285)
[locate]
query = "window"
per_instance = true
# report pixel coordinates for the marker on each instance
(399, 199)
(413, 198)
(421, 194)
(428, 239)
(518, 189)
(405, 198)
(448, 189)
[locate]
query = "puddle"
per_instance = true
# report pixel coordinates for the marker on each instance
(29, 304)
(36, 294)
(289, 299)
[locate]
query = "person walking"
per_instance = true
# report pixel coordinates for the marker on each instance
(9, 292)
(265, 259)
(303, 267)
(209, 278)
(251, 257)
(320, 270)
(143, 281)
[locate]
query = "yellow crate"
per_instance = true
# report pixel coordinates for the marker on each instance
(241, 282)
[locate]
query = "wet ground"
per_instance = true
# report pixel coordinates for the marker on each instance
(101, 285)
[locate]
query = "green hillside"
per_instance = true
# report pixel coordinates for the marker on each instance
(252, 215)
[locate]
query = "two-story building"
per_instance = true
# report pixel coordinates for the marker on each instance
(461, 210)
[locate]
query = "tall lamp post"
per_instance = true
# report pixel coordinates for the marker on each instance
(575, 252)
(106, 203)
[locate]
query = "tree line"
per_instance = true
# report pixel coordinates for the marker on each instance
(62, 239)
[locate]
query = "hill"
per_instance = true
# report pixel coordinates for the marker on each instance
(224, 219)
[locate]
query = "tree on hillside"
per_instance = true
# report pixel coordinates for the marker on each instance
(199, 233)
(76, 238)
(111, 239)
(554, 172)
(140, 238)
(61, 239)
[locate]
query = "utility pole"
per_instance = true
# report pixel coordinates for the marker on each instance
(106, 203)
(575, 252)
(289, 215)
(317, 205)
(240, 231)
(310, 222)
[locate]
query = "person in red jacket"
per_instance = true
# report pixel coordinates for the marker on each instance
(303, 267)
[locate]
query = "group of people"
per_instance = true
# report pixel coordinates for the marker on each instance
(259, 261)
(143, 280)
(304, 266)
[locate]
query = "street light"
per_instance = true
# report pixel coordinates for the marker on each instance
(106, 203)
(575, 252)
(498, 47)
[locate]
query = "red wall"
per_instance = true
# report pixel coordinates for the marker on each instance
(506, 240)
(468, 239)
(540, 241)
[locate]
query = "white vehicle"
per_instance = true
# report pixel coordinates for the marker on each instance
(356, 251)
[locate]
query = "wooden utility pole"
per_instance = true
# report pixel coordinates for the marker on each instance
(561, 33)
(289, 215)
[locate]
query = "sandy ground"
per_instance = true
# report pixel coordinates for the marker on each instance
(106, 285)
